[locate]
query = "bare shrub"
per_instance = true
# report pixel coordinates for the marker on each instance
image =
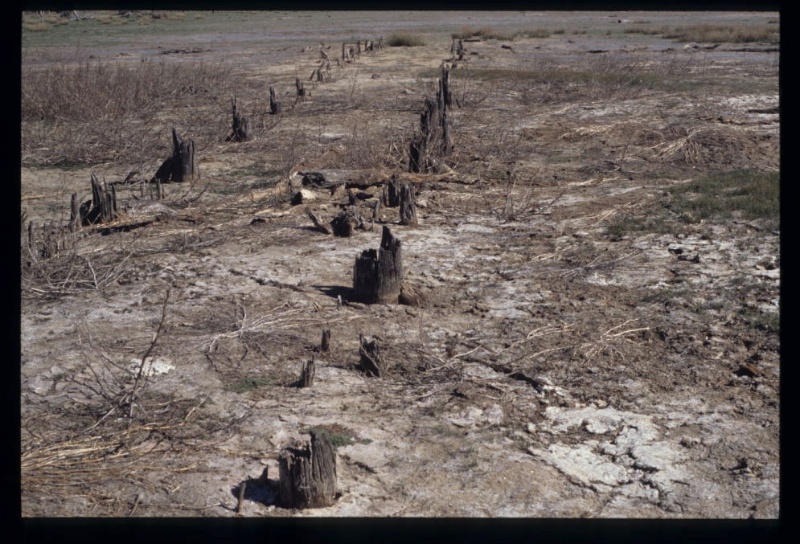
(52, 265)
(99, 112)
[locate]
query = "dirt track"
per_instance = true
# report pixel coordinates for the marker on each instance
(657, 367)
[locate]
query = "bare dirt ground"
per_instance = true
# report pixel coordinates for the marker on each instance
(567, 361)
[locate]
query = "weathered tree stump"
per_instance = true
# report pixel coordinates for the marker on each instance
(457, 49)
(307, 375)
(301, 92)
(408, 208)
(181, 166)
(417, 153)
(239, 130)
(433, 138)
(75, 213)
(376, 208)
(444, 88)
(317, 223)
(325, 344)
(103, 206)
(391, 192)
(371, 362)
(377, 275)
(346, 222)
(308, 474)
(274, 105)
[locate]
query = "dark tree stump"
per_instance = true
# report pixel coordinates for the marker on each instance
(325, 344)
(308, 474)
(184, 165)
(274, 105)
(444, 87)
(239, 131)
(391, 192)
(307, 375)
(346, 222)
(371, 362)
(416, 153)
(181, 166)
(102, 208)
(408, 208)
(433, 137)
(377, 275)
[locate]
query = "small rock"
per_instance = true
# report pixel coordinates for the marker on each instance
(531, 428)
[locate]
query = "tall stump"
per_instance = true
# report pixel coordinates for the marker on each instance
(181, 166)
(377, 275)
(371, 362)
(240, 131)
(391, 192)
(184, 167)
(408, 208)
(274, 105)
(308, 474)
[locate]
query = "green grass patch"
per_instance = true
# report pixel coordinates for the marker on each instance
(405, 39)
(338, 435)
(767, 322)
(249, 383)
(638, 224)
(739, 194)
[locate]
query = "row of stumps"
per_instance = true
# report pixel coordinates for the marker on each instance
(308, 472)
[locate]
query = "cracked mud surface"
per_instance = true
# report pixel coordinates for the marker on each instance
(633, 342)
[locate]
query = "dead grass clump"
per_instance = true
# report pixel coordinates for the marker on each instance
(52, 267)
(99, 112)
(646, 30)
(109, 92)
(405, 39)
(489, 33)
(724, 34)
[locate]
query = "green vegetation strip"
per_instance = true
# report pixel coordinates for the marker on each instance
(742, 194)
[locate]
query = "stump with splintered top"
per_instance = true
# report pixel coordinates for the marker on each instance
(102, 208)
(274, 105)
(391, 192)
(408, 208)
(307, 375)
(308, 474)
(378, 275)
(432, 142)
(239, 130)
(346, 222)
(182, 165)
(371, 362)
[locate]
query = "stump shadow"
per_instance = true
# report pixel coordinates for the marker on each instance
(258, 490)
(336, 291)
